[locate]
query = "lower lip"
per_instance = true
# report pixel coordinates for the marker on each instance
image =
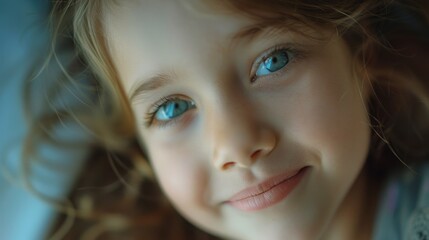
(270, 197)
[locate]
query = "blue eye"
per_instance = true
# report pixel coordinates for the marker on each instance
(172, 109)
(273, 63)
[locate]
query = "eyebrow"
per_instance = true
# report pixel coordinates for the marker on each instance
(247, 34)
(152, 83)
(259, 30)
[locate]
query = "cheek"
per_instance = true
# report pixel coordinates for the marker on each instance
(327, 114)
(335, 118)
(182, 176)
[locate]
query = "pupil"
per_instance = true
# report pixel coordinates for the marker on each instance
(275, 60)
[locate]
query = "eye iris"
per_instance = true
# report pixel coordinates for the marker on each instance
(276, 62)
(172, 109)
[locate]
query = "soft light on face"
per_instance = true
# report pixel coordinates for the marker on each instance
(221, 111)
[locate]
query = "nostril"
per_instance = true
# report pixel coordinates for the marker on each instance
(228, 165)
(256, 154)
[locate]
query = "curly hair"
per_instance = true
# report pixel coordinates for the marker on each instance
(388, 39)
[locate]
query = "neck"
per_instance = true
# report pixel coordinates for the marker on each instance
(355, 216)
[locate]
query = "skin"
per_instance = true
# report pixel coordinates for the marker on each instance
(241, 132)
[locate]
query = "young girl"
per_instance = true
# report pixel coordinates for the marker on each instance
(266, 119)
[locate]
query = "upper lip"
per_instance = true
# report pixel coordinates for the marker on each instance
(264, 186)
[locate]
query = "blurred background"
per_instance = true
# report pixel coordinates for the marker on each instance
(24, 43)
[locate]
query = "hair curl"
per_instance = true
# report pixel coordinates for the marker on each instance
(388, 40)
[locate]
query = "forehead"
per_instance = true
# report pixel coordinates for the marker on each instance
(147, 33)
(180, 18)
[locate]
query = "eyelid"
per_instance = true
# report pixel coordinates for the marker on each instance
(290, 48)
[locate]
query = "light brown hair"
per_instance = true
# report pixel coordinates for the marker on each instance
(388, 40)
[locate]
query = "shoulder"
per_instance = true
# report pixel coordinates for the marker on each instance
(404, 206)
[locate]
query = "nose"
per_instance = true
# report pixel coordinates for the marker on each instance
(240, 139)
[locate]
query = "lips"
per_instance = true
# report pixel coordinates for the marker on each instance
(267, 193)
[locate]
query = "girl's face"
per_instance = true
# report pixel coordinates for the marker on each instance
(254, 132)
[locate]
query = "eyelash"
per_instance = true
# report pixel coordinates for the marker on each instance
(294, 54)
(150, 115)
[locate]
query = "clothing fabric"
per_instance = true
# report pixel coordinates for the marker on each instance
(404, 207)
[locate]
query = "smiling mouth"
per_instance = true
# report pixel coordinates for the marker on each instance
(267, 193)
